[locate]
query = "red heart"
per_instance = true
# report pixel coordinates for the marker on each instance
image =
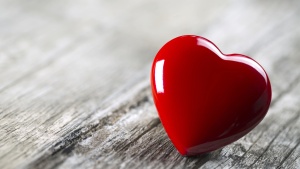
(206, 99)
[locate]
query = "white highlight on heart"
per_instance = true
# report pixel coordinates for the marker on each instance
(159, 83)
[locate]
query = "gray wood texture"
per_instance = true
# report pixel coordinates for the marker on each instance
(74, 81)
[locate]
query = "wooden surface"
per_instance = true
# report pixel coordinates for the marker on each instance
(74, 81)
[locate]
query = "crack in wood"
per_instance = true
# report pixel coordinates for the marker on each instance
(154, 123)
(288, 123)
(243, 156)
(289, 154)
(201, 159)
(291, 163)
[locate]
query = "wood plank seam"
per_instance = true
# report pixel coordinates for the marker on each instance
(289, 154)
(289, 122)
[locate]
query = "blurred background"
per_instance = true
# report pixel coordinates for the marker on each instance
(37, 30)
(63, 60)
(68, 44)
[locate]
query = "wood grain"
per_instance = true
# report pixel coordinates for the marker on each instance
(74, 81)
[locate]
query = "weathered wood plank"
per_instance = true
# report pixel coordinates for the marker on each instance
(62, 61)
(75, 91)
(238, 152)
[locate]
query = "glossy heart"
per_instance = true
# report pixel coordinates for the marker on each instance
(206, 99)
